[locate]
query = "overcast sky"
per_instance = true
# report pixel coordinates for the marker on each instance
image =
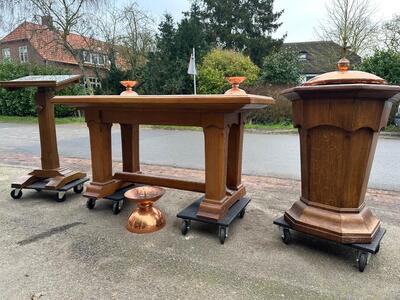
(300, 17)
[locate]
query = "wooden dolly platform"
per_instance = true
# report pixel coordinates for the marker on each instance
(41, 185)
(364, 250)
(189, 214)
(117, 199)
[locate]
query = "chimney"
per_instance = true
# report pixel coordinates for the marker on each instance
(47, 21)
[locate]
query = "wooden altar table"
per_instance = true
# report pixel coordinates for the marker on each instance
(222, 118)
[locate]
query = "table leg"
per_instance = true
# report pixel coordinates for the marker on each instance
(100, 146)
(216, 145)
(130, 147)
(235, 150)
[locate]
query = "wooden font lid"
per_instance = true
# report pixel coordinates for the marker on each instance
(344, 76)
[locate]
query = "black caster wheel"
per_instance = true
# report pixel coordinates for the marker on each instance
(378, 248)
(362, 261)
(61, 196)
(185, 226)
(242, 213)
(90, 203)
(222, 234)
(38, 190)
(117, 206)
(286, 236)
(16, 194)
(78, 188)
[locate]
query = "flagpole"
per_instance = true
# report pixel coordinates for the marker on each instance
(194, 76)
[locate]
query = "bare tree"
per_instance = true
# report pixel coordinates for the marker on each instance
(391, 34)
(350, 24)
(128, 32)
(64, 18)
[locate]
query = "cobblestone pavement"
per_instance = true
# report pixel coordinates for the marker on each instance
(55, 250)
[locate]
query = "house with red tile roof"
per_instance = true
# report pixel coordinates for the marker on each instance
(36, 43)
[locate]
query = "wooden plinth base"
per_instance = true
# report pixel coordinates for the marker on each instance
(340, 226)
(58, 178)
(217, 210)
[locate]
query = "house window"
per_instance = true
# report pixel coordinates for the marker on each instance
(23, 54)
(93, 58)
(6, 53)
(101, 60)
(86, 56)
(303, 55)
(93, 82)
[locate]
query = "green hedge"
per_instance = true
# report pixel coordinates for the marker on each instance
(21, 102)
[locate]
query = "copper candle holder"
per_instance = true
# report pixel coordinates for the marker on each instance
(235, 81)
(129, 84)
(145, 218)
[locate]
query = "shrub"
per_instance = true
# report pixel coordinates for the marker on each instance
(218, 64)
(21, 102)
(385, 64)
(278, 113)
(282, 67)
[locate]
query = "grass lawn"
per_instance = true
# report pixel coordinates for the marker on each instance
(33, 120)
(76, 120)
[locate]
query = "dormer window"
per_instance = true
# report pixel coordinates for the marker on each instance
(93, 58)
(23, 54)
(303, 55)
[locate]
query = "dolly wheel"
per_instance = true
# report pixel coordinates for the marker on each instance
(117, 206)
(90, 203)
(242, 213)
(61, 196)
(16, 194)
(286, 236)
(378, 248)
(78, 188)
(38, 190)
(185, 225)
(222, 234)
(362, 261)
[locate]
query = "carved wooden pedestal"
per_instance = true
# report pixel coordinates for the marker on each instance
(50, 164)
(338, 127)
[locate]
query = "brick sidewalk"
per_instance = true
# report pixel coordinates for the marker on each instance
(254, 184)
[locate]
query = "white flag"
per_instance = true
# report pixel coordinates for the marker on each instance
(192, 64)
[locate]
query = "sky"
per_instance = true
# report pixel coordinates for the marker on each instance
(300, 18)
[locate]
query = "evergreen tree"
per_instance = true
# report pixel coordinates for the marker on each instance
(243, 25)
(166, 69)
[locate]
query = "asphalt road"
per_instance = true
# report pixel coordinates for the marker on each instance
(276, 155)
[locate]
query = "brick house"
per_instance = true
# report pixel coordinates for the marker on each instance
(319, 57)
(35, 43)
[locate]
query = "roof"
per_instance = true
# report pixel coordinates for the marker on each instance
(322, 56)
(49, 45)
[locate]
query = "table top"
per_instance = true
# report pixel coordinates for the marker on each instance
(48, 81)
(185, 101)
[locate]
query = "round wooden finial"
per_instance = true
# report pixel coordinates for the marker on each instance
(343, 64)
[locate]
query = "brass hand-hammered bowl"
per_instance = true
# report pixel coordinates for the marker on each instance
(146, 218)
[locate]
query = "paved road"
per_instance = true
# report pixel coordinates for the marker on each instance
(264, 154)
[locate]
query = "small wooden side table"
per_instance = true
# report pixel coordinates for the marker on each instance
(50, 176)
